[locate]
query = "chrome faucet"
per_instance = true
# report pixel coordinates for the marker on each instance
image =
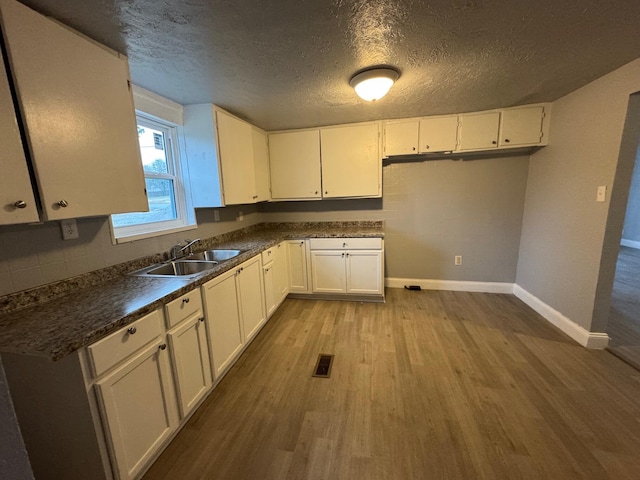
(178, 250)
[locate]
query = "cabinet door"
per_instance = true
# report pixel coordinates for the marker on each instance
(400, 138)
(75, 99)
(251, 297)
(364, 272)
(236, 159)
(201, 146)
(328, 271)
(297, 260)
(294, 159)
(479, 131)
(281, 272)
(223, 321)
(269, 289)
(438, 134)
(17, 203)
(191, 364)
(521, 126)
(261, 165)
(351, 161)
(139, 409)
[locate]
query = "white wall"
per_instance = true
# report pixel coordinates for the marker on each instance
(563, 232)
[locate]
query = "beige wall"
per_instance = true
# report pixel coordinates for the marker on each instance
(564, 227)
(434, 210)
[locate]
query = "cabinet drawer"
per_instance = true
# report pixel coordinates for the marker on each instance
(345, 243)
(268, 255)
(111, 350)
(183, 307)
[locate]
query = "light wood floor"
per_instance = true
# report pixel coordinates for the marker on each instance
(430, 385)
(624, 314)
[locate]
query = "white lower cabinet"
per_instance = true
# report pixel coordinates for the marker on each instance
(222, 315)
(189, 350)
(190, 360)
(297, 256)
(234, 312)
(276, 282)
(251, 297)
(347, 266)
(139, 408)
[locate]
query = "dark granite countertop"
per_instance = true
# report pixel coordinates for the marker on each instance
(69, 321)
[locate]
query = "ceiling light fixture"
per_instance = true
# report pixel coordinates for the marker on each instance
(373, 84)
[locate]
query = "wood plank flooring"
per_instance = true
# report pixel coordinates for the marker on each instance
(430, 385)
(624, 314)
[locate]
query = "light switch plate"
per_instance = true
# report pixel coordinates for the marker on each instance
(601, 196)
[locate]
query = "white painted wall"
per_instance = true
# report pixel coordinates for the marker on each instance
(563, 231)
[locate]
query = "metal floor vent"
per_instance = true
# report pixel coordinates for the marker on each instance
(323, 366)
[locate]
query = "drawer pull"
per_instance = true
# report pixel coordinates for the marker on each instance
(20, 204)
(63, 203)
(202, 319)
(131, 330)
(163, 346)
(185, 300)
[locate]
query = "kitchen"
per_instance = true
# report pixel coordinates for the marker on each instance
(551, 239)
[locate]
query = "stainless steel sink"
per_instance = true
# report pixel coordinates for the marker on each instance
(176, 268)
(215, 255)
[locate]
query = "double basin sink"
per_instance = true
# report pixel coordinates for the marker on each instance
(190, 265)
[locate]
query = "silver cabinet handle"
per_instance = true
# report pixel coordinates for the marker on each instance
(132, 330)
(20, 204)
(163, 346)
(185, 300)
(63, 203)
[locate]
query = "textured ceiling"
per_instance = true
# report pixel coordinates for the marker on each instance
(287, 63)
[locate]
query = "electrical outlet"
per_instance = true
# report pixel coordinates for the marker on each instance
(216, 215)
(69, 229)
(240, 217)
(457, 260)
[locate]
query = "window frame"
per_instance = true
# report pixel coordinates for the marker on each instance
(185, 215)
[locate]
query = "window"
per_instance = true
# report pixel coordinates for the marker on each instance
(165, 189)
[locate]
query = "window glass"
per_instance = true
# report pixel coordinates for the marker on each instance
(165, 190)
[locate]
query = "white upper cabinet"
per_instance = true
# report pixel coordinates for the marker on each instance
(438, 134)
(74, 97)
(261, 164)
(351, 161)
(295, 165)
(226, 160)
(16, 193)
(401, 137)
(522, 126)
(236, 158)
(478, 131)
(526, 126)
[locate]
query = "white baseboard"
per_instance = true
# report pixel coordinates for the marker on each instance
(453, 285)
(629, 243)
(580, 334)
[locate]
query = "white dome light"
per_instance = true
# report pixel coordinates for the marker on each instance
(373, 84)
